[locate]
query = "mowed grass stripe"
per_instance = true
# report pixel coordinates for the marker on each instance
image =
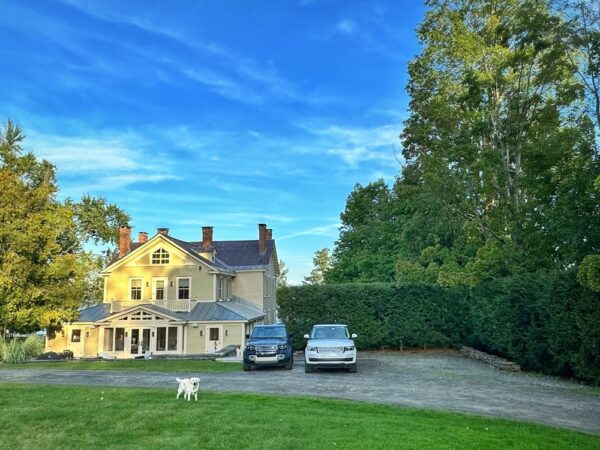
(148, 365)
(41, 416)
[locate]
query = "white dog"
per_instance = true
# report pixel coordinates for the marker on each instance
(189, 387)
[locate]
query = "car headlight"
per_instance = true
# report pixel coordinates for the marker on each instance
(349, 348)
(312, 349)
(282, 346)
(250, 347)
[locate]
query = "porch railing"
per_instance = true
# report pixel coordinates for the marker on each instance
(172, 305)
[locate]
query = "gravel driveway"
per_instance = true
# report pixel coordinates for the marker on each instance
(438, 380)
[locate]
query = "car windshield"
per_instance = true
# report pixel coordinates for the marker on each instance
(270, 332)
(332, 332)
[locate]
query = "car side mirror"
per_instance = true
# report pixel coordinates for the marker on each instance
(306, 336)
(354, 335)
(247, 336)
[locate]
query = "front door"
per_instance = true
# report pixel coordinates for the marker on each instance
(139, 341)
(214, 338)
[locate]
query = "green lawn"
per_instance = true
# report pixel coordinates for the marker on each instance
(40, 416)
(138, 365)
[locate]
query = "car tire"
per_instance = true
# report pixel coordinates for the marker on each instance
(247, 367)
(352, 368)
(289, 365)
(308, 368)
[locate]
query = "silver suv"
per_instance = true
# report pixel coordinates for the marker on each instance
(330, 345)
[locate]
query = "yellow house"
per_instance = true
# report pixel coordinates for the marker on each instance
(165, 296)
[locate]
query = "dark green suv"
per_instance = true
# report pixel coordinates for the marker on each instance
(268, 345)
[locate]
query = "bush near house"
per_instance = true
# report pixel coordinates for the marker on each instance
(16, 351)
(544, 321)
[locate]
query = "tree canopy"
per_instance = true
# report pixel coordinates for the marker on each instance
(500, 154)
(45, 273)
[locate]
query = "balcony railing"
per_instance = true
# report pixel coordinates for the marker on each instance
(172, 305)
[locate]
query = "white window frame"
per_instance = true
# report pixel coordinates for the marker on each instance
(177, 288)
(162, 252)
(166, 281)
(141, 291)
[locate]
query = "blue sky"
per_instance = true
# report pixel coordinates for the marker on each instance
(190, 113)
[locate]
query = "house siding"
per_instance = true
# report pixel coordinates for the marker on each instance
(194, 343)
(117, 283)
(248, 286)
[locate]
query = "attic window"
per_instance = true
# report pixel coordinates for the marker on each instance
(160, 256)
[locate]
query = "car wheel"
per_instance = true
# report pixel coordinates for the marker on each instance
(288, 366)
(352, 368)
(247, 367)
(308, 368)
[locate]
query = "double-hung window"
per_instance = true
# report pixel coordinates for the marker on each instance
(183, 288)
(135, 288)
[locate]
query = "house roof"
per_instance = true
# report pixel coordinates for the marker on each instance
(94, 313)
(229, 255)
(202, 311)
(218, 311)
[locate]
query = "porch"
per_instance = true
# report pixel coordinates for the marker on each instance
(172, 305)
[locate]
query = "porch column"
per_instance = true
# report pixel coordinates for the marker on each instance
(180, 339)
(243, 325)
(100, 340)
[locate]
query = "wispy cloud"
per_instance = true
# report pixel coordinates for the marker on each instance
(232, 75)
(224, 86)
(355, 145)
(346, 26)
(327, 230)
(106, 160)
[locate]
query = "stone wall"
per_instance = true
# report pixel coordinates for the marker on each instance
(495, 361)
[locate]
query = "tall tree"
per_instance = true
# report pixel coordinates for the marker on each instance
(321, 264)
(492, 136)
(43, 268)
(581, 35)
(366, 249)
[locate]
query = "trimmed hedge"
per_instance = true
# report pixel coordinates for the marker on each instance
(382, 315)
(543, 321)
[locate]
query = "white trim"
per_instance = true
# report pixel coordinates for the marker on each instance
(116, 316)
(160, 257)
(129, 289)
(146, 247)
(177, 288)
(250, 270)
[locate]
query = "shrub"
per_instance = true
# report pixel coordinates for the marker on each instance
(382, 315)
(17, 351)
(14, 352)
(34, 346)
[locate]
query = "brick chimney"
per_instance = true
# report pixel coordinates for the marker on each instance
(269, 235)
(124, 241)
(142, 237)
(207, 236)
(163, 231)
(262, 238)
